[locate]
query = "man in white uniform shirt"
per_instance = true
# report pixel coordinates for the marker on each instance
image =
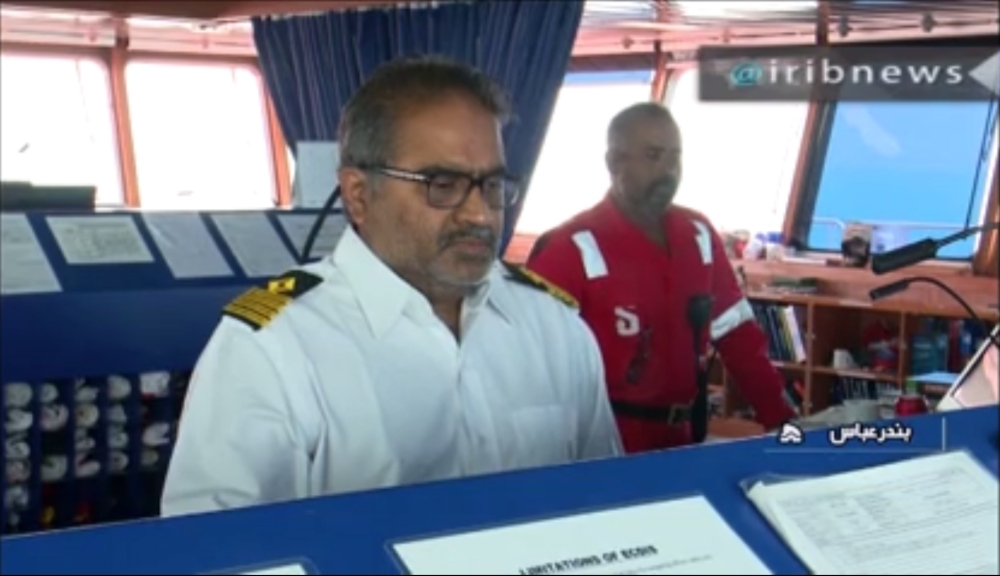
(410, 354)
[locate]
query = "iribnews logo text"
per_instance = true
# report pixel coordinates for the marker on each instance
(825, 72)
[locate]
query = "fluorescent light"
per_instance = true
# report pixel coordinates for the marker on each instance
(619, 9)
(714, 9)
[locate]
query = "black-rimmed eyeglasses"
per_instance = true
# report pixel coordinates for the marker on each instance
(447, 189)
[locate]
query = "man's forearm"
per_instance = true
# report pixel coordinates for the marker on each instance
(744, 353)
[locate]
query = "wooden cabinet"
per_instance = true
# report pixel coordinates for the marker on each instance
(827, 324)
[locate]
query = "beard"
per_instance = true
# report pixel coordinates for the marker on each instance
(659, 195)
(468, 266)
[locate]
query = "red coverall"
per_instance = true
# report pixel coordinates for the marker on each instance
(634, 296)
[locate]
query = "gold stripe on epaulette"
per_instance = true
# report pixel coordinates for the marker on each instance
(250, 317)
(257, 312)
(551, 288)
(257, 307)
(265, 298)
(564, 297)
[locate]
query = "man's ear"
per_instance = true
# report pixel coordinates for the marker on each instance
(353, 194)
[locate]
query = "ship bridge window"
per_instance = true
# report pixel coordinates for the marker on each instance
(739, 157)
(570, 174)
(57, 125)
(910, 169)
(201, 136)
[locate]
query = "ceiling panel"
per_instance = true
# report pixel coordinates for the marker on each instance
(636, 25)
(204, 10)
(612, 26)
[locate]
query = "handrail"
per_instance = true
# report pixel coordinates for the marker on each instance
(893, 223)
(841, 226)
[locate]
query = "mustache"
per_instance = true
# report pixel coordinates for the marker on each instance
(475, 233)
(664, 187)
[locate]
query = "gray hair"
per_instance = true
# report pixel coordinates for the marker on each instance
(368, 124)
(640, 113)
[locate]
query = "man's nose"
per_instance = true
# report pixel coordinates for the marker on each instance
(474, 209)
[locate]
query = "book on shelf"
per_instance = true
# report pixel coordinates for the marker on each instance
(785, 328)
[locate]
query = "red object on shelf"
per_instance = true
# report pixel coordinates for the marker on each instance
(738, 247)
(911, 405)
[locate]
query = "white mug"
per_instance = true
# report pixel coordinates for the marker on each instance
(843, 360)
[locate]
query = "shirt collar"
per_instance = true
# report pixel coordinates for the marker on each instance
(383, 296)
(614, 216)
(611, 213)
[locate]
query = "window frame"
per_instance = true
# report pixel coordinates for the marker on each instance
(800, 213)
(814, 142)
(586, 78)
(115, 59)
(274, 139)
(813, 154)
(101, 57)
(676, 70)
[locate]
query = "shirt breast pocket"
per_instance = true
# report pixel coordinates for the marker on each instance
(544, 436)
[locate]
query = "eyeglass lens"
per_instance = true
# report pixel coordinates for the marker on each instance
(450, 190)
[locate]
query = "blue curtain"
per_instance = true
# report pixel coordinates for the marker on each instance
(313, 64)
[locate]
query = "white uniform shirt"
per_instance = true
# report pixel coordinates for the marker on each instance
(357, 385)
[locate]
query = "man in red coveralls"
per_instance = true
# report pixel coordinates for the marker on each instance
(647, 276)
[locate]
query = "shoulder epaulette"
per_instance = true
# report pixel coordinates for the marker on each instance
(522, 275)
(260, 305)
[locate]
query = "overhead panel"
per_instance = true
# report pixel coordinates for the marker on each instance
(204, 10)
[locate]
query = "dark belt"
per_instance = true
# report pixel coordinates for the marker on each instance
(674, 414)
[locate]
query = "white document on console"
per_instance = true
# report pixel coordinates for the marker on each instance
(928, 515)
(685, 536)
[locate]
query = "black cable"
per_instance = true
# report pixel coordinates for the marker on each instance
(901, 285)
(962, 234)
(709, 366)
(699, 311)
(699, 408)
(984, 156)
(318, 225)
